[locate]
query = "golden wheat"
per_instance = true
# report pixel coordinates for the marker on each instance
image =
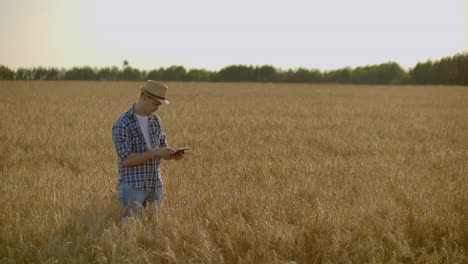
(276, 173)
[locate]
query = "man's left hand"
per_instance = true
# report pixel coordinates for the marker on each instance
(178, 156)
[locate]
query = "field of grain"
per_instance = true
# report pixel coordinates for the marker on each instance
(276, 173)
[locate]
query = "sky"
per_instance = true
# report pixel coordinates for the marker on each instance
(212, 34)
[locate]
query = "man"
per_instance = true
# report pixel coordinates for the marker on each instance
(140, 143)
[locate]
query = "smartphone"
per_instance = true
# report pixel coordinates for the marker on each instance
(179, 150)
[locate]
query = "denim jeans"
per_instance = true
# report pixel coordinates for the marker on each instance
(132, 200)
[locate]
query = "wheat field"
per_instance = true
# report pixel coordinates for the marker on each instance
(276, 173)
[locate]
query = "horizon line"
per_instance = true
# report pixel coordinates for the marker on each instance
(464, 52)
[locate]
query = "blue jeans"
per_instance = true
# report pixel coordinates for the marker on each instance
(132, 200)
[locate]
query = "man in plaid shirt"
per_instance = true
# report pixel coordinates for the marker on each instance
(140, 143)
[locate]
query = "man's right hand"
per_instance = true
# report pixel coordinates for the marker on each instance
(138, 158)
(162, 152)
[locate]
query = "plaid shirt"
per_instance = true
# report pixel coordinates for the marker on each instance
(128, 139)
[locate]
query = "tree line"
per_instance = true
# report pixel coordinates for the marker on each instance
(448, 70)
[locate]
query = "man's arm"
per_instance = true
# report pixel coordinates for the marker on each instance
(137, 158)
(122, 140)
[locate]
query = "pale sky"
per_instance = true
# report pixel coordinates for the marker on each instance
(212, 34)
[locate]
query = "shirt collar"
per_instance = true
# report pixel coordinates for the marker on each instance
(131, 113)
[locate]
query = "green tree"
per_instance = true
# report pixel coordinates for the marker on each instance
(49, 74)
(155, 74)
(24, 74)
(448, 70)
(53, 74)
(199, 75)
(81, 73)
(461, 63)
(385, 73)
(174, 73)
(6, 73)
(342, 75)
(108, 73)
(307, 76)
(236, 73)
(130, 74)
(265, 73)
(423, 72)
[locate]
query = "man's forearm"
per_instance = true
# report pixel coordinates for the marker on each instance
(136, 158)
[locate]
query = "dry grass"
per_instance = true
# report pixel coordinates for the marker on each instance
(277, 173)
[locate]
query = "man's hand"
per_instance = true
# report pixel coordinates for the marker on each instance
(179, 155)
(162, 152)
(138, 158)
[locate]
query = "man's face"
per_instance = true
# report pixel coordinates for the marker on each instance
(151, 105)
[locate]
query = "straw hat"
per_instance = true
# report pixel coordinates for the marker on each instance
(156, 90)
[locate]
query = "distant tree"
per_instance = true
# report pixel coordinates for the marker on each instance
(405, 79)
(199, 75)
(448, 70)
(308, 76)
(236, 73)
(284, 75)
(342, 75)
(461, 63)
(143, 74)
(81, 73)
(155, 74)
(53, 74)
(174, 73)
(6, 73)
(360, 75)
(41, 73)
(24, 74)
(422, 73)
(385, 73)
(108, 74)
(265, 73)
(302, 75)
(130, 74)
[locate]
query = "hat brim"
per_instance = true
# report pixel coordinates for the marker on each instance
(161, 100)
(165, 101)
